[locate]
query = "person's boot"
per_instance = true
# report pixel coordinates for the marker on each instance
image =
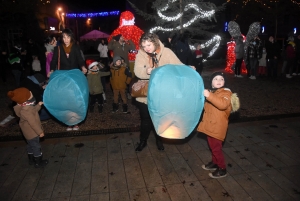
(92, 108)
(104, 98)
(30, 159)
(159, 144)
(125, 108)
(39, 162)
(141, 146)
(115, 107)
(100, 108)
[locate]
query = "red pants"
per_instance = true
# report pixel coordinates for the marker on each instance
(217, 154)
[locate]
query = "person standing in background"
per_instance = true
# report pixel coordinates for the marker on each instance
(273, 53)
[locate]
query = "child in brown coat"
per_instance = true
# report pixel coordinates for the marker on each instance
(220, 102)
(30, 123)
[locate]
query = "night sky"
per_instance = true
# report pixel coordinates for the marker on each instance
(94, 5)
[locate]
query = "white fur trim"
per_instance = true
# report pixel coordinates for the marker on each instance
(93, 64)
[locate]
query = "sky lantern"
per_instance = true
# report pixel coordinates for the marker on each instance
(128, 31)
(175, 100)
(72, 108)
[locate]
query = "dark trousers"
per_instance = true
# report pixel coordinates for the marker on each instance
(290, 66)
(96, 98)
(215, 146)
(34, 147)
(238, 64)
(146, 122)
(272, 65)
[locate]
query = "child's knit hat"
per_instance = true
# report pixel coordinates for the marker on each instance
(19, 95)
(116, 58)
(216, 74)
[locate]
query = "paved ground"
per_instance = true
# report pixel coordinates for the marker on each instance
(262, 161)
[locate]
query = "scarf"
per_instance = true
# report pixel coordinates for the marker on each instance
(153, 60)
(28, 102)
(67, 49)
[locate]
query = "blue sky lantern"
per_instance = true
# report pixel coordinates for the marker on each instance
(175, 100)
(66, 96)
(295, 30)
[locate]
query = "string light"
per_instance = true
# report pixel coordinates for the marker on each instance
(201, 14)
(86, 15)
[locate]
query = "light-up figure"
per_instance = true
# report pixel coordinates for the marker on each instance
(128, 30)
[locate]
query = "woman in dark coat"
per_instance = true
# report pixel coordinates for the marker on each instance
(70, 58)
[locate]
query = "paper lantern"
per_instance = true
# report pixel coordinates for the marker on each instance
(175, 100)
(66, 96)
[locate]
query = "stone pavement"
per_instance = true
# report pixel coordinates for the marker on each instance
(262, 162)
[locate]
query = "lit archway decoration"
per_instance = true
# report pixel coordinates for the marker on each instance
(128, 31)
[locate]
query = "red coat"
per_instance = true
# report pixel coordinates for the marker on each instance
(217, 109)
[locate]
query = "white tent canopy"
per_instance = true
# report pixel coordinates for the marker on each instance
(94, 35)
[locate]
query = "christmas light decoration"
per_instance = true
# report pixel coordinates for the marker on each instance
(129, 31)
(87, 15)
(231, 57)
(201, 14)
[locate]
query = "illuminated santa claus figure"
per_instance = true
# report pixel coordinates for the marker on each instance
(128, 30)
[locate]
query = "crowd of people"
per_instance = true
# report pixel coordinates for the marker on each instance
(264, 59)
(153, 53)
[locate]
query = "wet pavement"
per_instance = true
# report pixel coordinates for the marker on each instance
(262, 162)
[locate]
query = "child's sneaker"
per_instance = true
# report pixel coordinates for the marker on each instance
(219, 173)
(210, 166)
(69, 128)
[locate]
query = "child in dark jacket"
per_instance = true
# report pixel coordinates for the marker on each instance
(120, 78)
(95, 85)
(220, 102)
(30, 124)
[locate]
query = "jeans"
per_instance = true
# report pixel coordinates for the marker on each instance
(238, 64)
(44, 114)
(272, 65)
(34, 146)
(253, 64)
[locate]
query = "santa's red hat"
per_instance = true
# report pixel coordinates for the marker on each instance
(91, 63)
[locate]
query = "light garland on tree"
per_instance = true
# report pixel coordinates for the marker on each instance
(201, 15)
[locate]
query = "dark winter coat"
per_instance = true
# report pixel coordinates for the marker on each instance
(75, 60)
(272, 50)
(94, 81)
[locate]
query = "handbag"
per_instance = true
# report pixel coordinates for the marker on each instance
(139, 87)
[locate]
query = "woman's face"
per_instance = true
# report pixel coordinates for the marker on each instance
(66, 39)
(148, 47)
(53, 42)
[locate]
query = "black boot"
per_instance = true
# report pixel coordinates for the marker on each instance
(39, 162)
(115, 107)
(141, 146)
(92, 108)
(159, 144)
(30, 159)
(125, 108)
(100, 108)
